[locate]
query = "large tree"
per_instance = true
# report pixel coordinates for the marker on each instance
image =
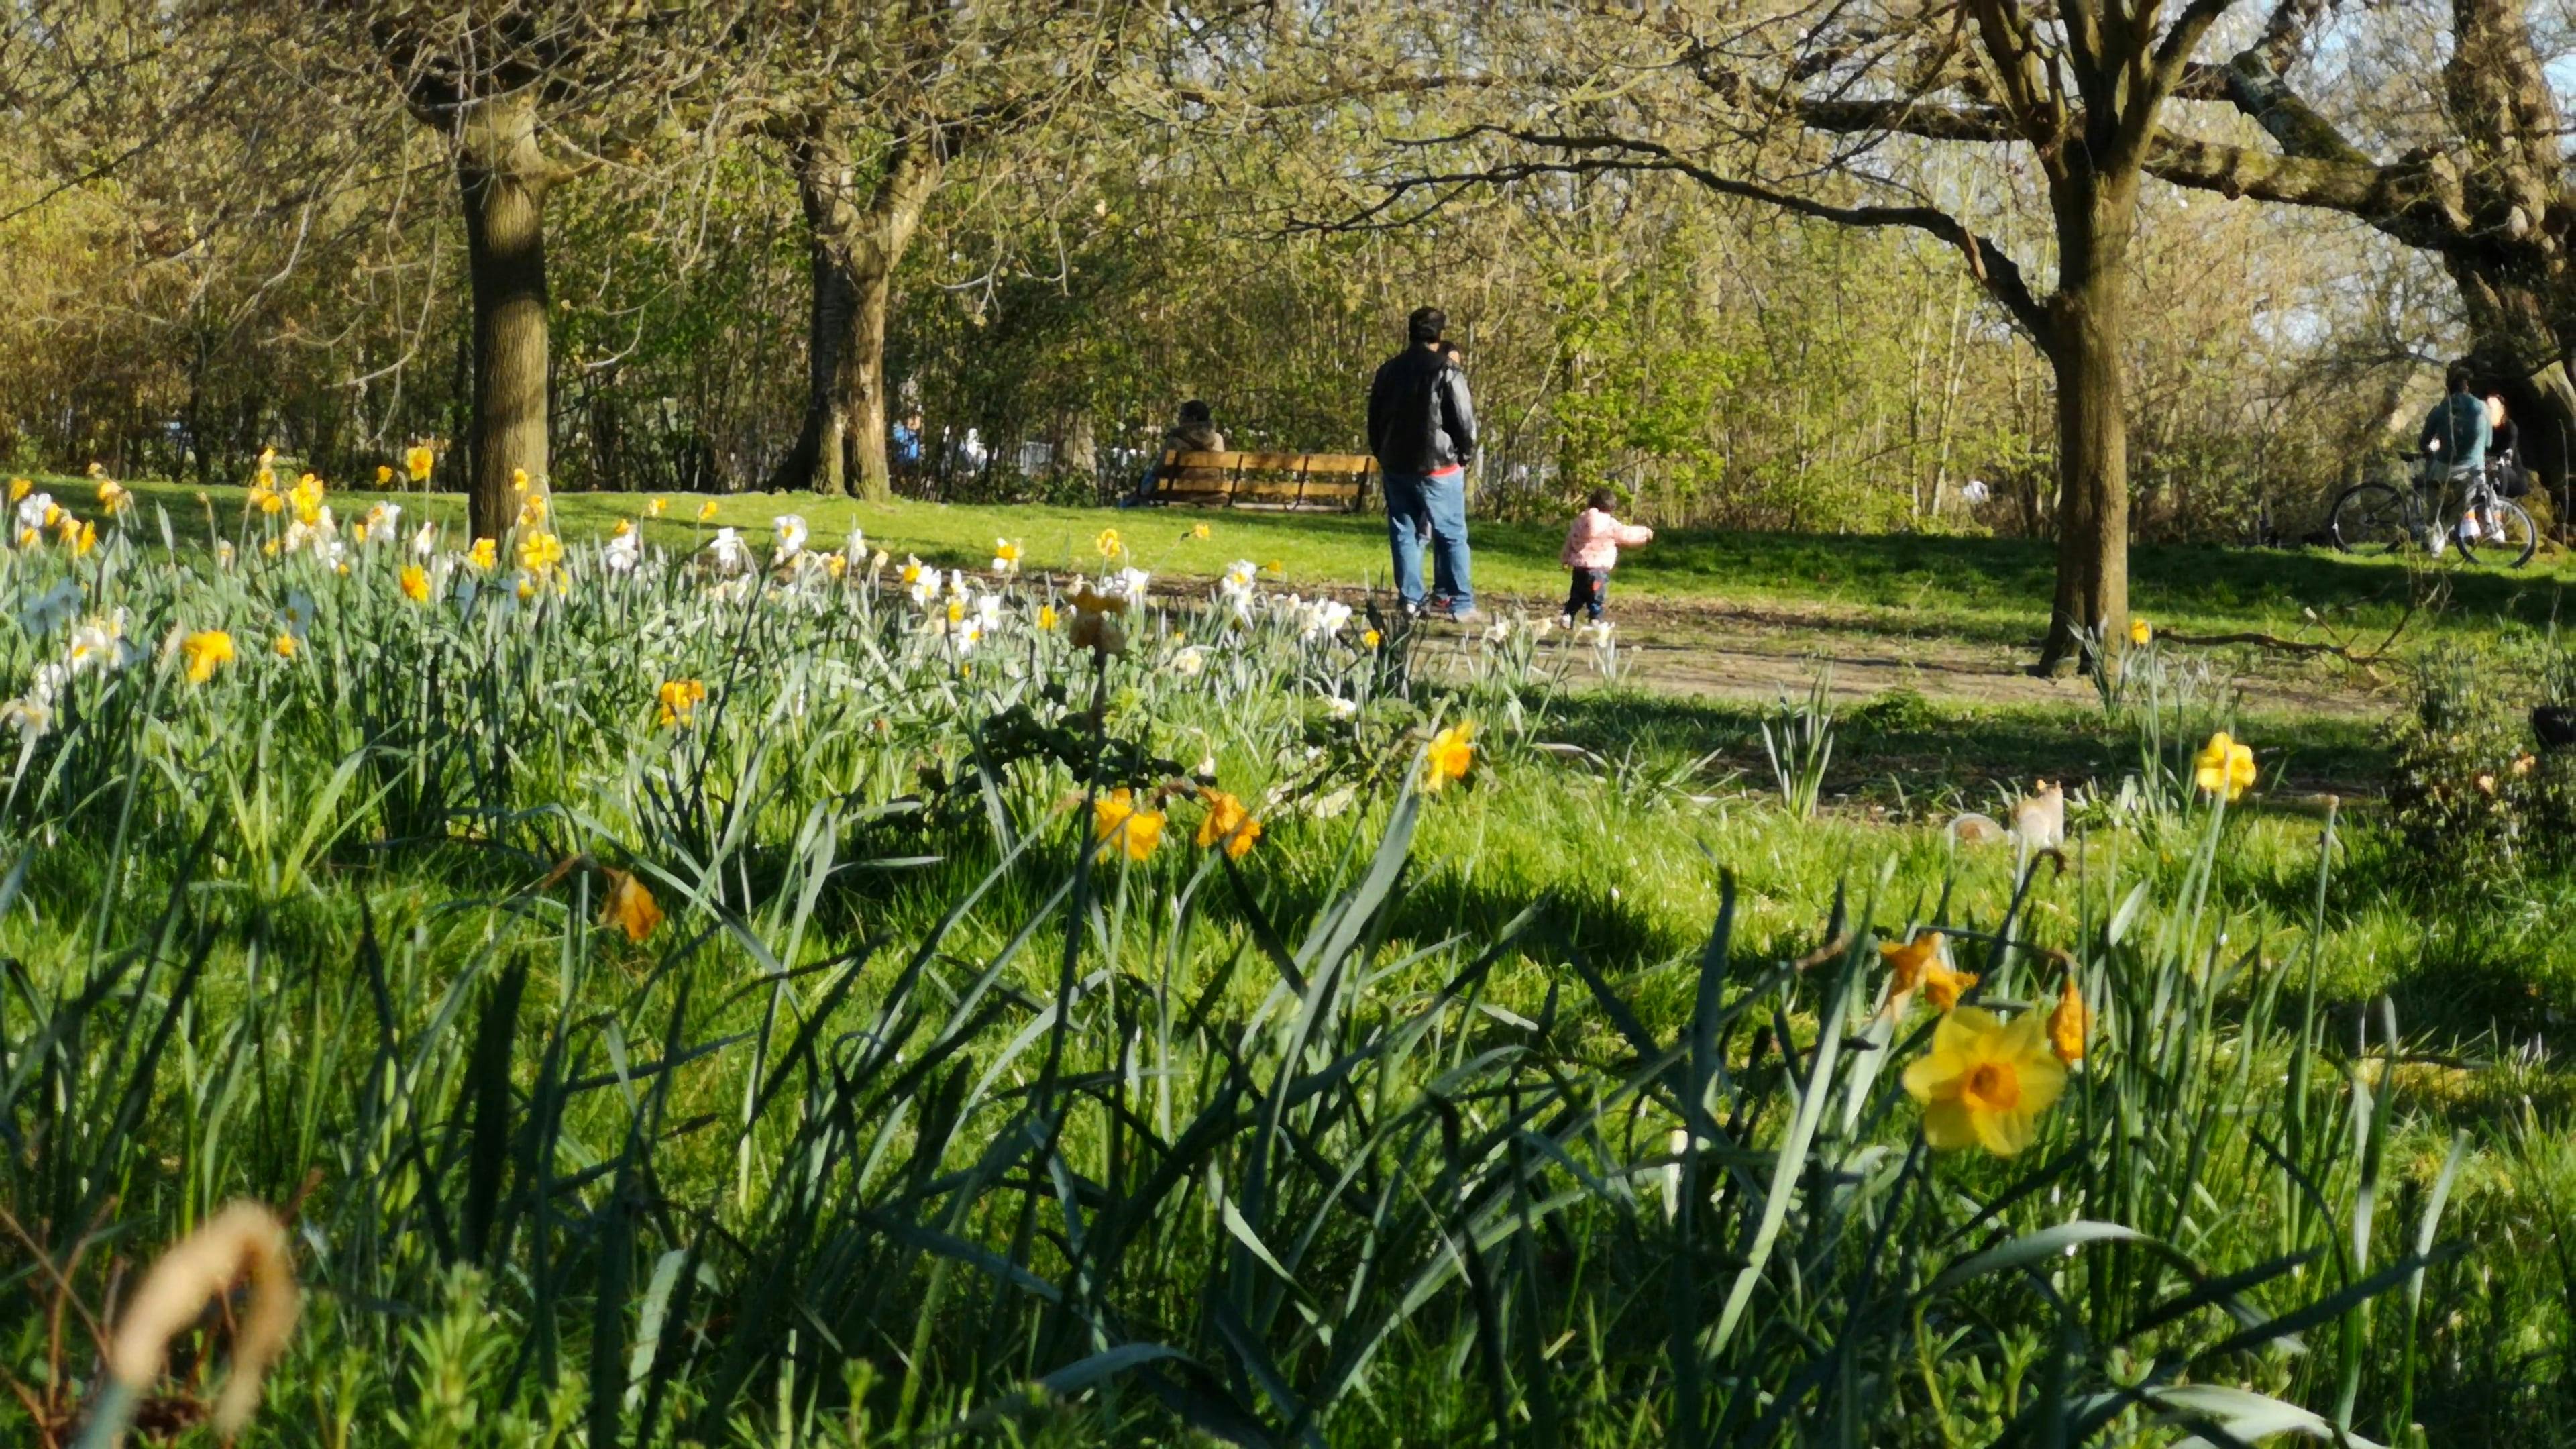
(873, 105)
(1815, 119)
(2477, 178)
(528, 93)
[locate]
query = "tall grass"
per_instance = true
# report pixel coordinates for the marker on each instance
(920, 1116)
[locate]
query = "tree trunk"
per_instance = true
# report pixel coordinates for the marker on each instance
(2522, 327)
(503, 175)
(863, 397)
(817, 461)
(857, 244)
(873, 251)
(2088, 316)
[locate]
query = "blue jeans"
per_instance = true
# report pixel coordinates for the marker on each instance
(1416, 503)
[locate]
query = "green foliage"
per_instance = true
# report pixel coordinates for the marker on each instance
(2463, 783)
(919, 1112)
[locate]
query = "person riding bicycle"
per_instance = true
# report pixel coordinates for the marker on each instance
(2455, 437)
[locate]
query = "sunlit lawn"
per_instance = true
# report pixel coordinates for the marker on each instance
(1983, 590)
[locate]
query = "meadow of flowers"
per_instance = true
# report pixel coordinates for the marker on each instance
(769, 992)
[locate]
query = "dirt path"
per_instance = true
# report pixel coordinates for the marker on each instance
(1753, 652)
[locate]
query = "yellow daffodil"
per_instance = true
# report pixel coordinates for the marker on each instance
(1984, 1083)
(836, 564)
(1908, 964)
(30, 538)
(285, 646)
(680, 699)
(204, 650)
(532, 512)
(1228, 824)
(484, 554)
(1368, 638)
(518, 480)
(707, 511)
(415, 583)
(115, 497)
(2224, 768)
(624, 527)
(1943, 987)
(2141, 633)
(1274, 568)
(384, 475)
(419, 461)
(539, 552)
(1452, 754)
(630, 907)
(1199, 530)
(1116, 818)
(654, 508)
(20, 488)
(2068, 1023)
(82, 538)
(1046, 616)
(1109, 544)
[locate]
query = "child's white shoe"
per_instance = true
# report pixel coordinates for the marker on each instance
(1565, 621)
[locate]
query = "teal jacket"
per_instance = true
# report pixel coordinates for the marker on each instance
(2456, 430)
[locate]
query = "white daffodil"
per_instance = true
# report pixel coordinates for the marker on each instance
(381, 520)
(424, 543)
(1324, 618)
(224, 553)
(1131, 581)
(1500, 630)
(731, 554)
(790, 532)
(96, 643)
(1189, 662)
(1006, 556)
(1338, 707)
(1239, 580)
(623, 553)
(988, 611)
(37, 511)
(925, 583)
(32, 715)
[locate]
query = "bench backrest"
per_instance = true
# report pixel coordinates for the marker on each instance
(1265, 480)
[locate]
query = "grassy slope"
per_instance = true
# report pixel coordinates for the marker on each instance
(1983, 589)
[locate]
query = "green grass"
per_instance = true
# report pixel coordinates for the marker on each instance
(916, 1115)
(1981, 590)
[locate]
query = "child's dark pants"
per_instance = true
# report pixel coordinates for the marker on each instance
(1590, 593)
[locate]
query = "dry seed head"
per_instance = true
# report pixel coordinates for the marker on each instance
(243, 1240)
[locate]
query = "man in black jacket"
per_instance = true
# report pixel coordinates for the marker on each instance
(1423, 431)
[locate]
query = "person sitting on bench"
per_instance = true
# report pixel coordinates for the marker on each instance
(1194, 432)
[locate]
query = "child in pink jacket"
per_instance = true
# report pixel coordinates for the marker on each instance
(1592, 550)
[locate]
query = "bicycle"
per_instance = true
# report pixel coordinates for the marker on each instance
(2380, 518)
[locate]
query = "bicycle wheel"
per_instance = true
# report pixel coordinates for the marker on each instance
(2508, 538)
(2371, 518)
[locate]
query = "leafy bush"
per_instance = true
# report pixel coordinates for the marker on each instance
(2464, 784)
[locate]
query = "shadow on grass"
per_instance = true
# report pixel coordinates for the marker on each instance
(1901, 748)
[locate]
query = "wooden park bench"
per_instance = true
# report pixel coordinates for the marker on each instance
(1294, 482)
